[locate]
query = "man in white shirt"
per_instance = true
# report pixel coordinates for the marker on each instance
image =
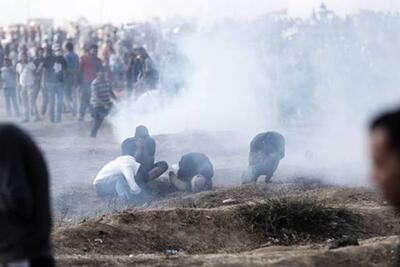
(26, 81)
(118, 177)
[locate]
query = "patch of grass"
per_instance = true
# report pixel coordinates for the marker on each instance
(290, 221)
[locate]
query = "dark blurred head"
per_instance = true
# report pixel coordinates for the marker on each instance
(141, 132)
(69, 47)
(93, 50)
(39, 52)
(7, 62)
(385, 148)
(128, 148)
(24, 58)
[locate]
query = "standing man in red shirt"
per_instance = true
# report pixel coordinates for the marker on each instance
(89, 64)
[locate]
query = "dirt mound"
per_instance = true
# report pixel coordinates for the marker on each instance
(224, 229)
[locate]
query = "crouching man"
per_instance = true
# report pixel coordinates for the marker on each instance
(118, 177)
(194, 175)
(145, 155)
(266, 151)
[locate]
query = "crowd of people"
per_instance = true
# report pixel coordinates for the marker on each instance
(48, 71)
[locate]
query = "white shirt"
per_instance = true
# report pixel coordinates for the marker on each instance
(26, 74)
(126, 166)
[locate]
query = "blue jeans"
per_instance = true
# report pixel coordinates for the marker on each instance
(56, 94)
(114, 185)
(10, 94)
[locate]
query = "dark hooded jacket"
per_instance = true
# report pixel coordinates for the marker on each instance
(193, 164)
(25, 218)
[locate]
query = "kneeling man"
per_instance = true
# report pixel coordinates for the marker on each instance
(118, 177)
(194, 175)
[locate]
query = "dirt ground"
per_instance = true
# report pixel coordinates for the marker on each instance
(291, 222)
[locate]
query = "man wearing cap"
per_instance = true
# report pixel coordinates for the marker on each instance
(54, 69)
(89, 65)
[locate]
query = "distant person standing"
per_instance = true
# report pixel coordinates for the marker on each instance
(89, 64)
(134, 70)
(25, 216)
(26, 82)
(102, 94)
(71, 78)
(266, 151)
(55, 68)
(150, 75)
(38, 61)
(8, 83)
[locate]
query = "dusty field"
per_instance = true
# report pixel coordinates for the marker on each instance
(290, 222)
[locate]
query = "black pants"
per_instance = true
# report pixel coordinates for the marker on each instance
(84, 99)
(98, 114)
(142, 177)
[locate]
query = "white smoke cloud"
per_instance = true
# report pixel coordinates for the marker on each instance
(225, 91)
(233, 86)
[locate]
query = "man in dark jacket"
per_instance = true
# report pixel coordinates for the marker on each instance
(55, 67)
(266, 151)
(25, 219)
(194, 175)
(145, 155)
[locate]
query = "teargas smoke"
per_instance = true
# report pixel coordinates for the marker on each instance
(318, 80)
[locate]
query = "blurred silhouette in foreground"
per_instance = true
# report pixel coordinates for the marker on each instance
(25, 218)
(385, 147)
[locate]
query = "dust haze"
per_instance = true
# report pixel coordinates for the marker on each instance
(317, 79)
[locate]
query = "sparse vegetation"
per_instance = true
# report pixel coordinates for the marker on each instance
(289, 221)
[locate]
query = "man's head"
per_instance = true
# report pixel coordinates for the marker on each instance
(7, 62)
(23, 58)
(69, 47)
(385, 145)
(141, 132)
(129, 148)
(93, 50)
(39, 52)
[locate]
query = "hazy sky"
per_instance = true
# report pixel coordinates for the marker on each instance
(124, 10)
